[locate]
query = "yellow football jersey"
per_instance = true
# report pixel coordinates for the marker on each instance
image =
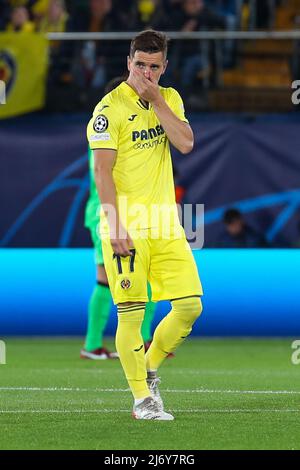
(142, 172)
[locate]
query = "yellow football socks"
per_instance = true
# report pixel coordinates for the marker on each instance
(172, 330)
(130, 346)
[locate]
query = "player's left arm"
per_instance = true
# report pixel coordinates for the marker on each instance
(179, 132)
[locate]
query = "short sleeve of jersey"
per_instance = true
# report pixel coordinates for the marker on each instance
(176, 104)
(104, 127)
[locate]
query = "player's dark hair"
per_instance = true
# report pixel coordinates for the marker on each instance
(231, 215)
(149, 41)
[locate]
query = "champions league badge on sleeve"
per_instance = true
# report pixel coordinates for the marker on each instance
(100, 123)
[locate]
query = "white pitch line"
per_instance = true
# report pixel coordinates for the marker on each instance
(62, 389)
(237, 392)
(205, 410)
(123, 390)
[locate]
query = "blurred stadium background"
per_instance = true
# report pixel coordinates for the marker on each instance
(234, 62)
(238, 95)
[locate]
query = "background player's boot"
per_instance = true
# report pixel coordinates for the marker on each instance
(147, 345)
(99, 354)
(149, 409)
(153, 382)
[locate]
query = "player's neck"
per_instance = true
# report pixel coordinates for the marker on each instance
(145, 103)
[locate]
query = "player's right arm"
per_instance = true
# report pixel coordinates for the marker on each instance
(103, 133)
(104, 162)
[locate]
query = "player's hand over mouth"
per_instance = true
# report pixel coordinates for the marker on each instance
(147, 89)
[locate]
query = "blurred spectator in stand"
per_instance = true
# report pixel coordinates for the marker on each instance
(260, 14)
(95, 62)
(148, 14)
(192, 58)
(238, 234)
(226, 7)
(29, 4)
(231, 11)
(55, 20)
(196, 15)
(39, 11)
(20, 21)
(4, 14)
(124, 9)
(36, 8)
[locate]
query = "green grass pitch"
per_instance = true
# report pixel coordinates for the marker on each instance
(224, 393)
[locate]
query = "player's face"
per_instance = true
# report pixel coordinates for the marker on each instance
(151, 65)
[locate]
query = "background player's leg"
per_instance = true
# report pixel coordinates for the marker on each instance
(172, 330)
(148, 318)
(130, 346)
(99, 310)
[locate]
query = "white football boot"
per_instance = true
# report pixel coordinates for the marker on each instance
(148, 409)
(153, 382)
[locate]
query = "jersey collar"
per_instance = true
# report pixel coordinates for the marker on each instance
(129, 91)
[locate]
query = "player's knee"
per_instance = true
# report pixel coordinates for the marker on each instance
(190, 308)
(194, 308)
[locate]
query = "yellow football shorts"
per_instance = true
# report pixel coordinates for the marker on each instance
(168, 265)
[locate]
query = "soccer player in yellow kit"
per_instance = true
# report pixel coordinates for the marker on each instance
(142, 238)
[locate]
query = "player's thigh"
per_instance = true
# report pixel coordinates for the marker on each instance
(127, 277)
(173, 271)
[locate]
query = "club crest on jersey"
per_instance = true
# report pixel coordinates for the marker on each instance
(100, 123)
(125, 284)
